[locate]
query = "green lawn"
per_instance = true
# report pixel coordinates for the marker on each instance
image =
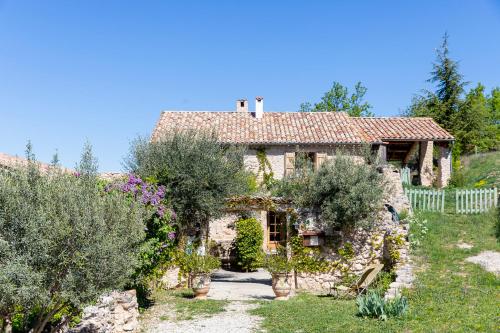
(450, 294)
(484, 168)
(185, 307)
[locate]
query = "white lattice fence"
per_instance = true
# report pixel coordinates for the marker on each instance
(428, 200)
(475, 201)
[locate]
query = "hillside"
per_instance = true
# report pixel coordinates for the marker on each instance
(482, 170)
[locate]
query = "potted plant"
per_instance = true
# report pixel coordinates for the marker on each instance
(199, 269)
(280, 267)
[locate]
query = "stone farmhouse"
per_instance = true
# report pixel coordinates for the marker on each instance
(321, 134)
(401, 141)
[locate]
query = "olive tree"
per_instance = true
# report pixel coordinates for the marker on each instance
(344, 192)
(198, 172)
(63, 241)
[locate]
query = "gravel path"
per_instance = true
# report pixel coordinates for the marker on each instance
(489, 260)
(235, 319)
(238, 286)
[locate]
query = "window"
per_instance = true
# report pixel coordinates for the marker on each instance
(295, 162)
(276, 229)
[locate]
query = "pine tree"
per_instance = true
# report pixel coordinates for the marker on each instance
(450, 87)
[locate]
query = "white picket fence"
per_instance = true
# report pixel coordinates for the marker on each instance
(405, 176)
(428, 200)
(475, 201)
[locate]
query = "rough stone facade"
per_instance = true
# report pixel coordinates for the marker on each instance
(444, 166)
(370, 247)
(276, 155)
(426, 166)
(223, 231)
(114, 313)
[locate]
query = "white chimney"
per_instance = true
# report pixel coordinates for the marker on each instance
(241, 105)
(259, 107)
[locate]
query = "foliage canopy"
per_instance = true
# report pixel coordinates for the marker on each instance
(248, 243)
(337, 99)
(62, 241)
(343, 192)
(199, 173)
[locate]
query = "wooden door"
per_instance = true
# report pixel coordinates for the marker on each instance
(276, 229)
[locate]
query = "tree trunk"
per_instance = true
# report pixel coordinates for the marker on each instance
(207, 234)
(44, 319)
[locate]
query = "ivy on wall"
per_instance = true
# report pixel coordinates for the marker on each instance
(265, 169)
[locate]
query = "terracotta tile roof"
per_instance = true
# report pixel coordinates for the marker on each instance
(272, 128)
(298, 127)
(402, 128)
(10, 161)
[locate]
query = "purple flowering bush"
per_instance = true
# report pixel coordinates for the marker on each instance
(157, 249)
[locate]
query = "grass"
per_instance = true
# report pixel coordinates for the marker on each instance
(482, 169)
(450, 295)
(185, 306)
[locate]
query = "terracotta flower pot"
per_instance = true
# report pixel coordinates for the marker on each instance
(200, 283)
(282, 284)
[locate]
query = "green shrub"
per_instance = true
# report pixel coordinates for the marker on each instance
(384, 279)
(198, 171)
(306, 259)
(344, 192)
(279, 263)
(63, 242)
(418, 230)
(248, 242)
(373, 305)
(194, 263)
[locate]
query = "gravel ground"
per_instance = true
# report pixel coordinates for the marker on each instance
(235, 319)
(239, 286)
(489, 260)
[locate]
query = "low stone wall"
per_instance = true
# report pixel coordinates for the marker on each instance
(114, 313)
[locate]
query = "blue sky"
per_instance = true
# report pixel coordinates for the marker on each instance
(102, 71)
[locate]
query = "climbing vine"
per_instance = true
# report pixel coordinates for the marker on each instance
(265, 170)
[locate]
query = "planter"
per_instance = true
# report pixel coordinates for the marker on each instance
(200, 283)
(282, 285)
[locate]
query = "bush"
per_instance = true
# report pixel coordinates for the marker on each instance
(157, 248)
(199, 174)
(344, 193)
(307, 259)
(248, 242)
(63, 242)
(418, 230)
(194, 263)
(383, 281)
(373, 305)
(279, 263)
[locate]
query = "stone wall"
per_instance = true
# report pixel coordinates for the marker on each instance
(369, 247)
(114, 313)
(426, 166)
(378, 245)
(276, 155)
(444, 166)
(223, 232)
